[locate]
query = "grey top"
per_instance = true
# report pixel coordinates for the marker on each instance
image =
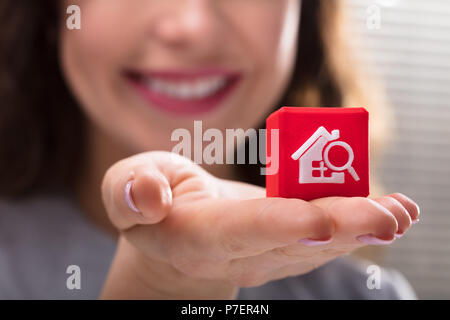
(41, 236)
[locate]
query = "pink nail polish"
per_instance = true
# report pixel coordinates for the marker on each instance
(398, 235)
(372, 240)
(313, 243)
(415, 221)
(418, 209)
(128, 197)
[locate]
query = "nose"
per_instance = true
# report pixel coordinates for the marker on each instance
(187, 23)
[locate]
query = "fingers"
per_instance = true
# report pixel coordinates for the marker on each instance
(376, 222)
(360, 217)
(250, 227)
(230, 228)
(151, 194)
(399, 212)
(357, 221)
(135, 194)
(138, 190)
(212, 232)
(412, 208)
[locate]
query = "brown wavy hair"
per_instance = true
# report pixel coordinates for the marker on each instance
(42, 127)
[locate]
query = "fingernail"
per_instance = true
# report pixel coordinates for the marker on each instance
(313, 243)
(398, 235)
(129, 198)
(415, 221)
(372, 240)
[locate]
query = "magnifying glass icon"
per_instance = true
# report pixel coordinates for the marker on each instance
(348, 165)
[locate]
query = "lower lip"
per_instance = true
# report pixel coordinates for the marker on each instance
(185, 107)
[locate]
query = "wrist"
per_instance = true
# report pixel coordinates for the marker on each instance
(134, 276)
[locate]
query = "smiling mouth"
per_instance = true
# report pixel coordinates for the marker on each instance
(185, 92)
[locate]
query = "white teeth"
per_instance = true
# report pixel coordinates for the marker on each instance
(198, 89)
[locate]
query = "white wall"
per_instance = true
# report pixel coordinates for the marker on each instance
(411, 53)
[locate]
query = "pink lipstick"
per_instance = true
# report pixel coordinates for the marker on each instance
(185, 92)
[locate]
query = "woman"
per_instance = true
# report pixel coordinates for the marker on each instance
(86, 121)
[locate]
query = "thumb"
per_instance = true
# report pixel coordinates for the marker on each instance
(136, 194)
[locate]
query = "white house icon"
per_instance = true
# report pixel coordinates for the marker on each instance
(313, 151)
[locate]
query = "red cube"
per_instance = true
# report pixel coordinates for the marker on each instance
(319, 152)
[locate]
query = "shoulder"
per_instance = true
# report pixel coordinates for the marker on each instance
(39, 238)
(28, 221)
(343, 278)
(351, 278)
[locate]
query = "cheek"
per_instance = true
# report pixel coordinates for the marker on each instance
(86, 53)
(91, 63)
(260, 27)
(92, 57)
(85, 65)
(101, 41)
(271, 36)
(90, 60)
(274, 38)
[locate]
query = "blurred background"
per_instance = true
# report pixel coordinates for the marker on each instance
(409, 50)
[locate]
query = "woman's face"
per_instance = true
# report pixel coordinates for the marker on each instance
(142, 68)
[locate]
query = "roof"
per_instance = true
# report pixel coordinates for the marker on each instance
(320, 132)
